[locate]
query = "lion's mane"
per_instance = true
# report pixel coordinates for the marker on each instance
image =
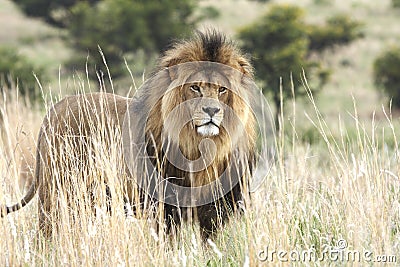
(232, 144)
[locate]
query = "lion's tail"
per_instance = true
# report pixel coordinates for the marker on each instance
(32, 189)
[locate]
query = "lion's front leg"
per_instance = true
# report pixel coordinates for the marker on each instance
(211, 219)
(214, 215)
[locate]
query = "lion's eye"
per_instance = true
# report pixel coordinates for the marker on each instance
(222, 90)
(195, 88)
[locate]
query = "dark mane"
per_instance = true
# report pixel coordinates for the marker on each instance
(212, 42)
(210, 45)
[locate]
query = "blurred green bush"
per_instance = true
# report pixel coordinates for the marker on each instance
(123, 27)
(53, 12)
(281, 44)
(16, 71)
(339, 30)
(387, 73)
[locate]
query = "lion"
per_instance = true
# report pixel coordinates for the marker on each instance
(77, 121)
(207, 105)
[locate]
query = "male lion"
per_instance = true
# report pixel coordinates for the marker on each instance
(196, 126)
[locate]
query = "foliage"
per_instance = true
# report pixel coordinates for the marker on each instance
(208, 12)
(261, 1)
(281, 44)
(387, 73)
(396, 3)
(16, 69)
(120, 27)
(53, 12)
(322, 2)
(339, 30)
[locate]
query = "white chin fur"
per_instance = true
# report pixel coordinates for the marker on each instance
(208, 130)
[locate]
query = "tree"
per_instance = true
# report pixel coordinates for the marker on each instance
(17, 70)
(281, 43)
(53, 12)
(387, 73)
(396, 3)
(261, 1)
(339, 30)
(121, 27)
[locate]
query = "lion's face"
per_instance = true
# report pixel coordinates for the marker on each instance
(205, 104)
(207, 98)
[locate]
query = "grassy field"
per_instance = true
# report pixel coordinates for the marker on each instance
(334, 201)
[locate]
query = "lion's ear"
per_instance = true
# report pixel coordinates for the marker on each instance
(245, 67)
(169, 61)
(173, 72)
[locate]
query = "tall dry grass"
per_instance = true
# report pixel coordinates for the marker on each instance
(327, 202)
(19, 124)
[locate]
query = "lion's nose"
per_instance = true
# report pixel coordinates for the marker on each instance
(211, 111)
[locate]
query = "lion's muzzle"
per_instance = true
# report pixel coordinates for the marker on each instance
(208, 129)
(210, 123)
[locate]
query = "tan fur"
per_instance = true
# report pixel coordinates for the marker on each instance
(76, 120)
